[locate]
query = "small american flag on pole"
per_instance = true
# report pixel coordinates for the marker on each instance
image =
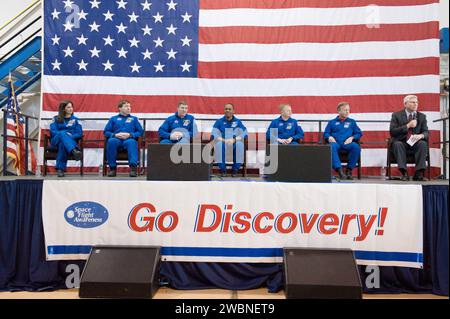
(15, 145)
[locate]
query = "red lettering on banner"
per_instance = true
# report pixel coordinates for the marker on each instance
(149, 220)
(382, 215)
(173, 224)
(143, 218)
(257, 223)
(308, 226)
(291, 227)
(365, 226)
(226, 223)
(239, 219)
(345, 222)
(328, 220)
(217, 214)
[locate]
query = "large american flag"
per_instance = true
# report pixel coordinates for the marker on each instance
(255, 54)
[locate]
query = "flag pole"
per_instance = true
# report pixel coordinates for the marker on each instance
(19, 144)
(5, 143)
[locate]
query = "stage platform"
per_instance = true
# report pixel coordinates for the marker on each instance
(24, 242)
(125, 177)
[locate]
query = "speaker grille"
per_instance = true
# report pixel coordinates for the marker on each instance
(321, 273)
(121, 272)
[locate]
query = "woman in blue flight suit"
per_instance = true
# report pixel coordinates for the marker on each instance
(65, 130)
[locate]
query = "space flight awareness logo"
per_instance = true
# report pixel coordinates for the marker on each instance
(86, 214)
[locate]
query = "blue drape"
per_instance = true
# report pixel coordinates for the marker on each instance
(435, 200)
(22, 248)
(23, 265)
(231, 276)
(434, 277)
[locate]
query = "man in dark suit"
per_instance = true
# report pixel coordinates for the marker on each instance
(409, 131)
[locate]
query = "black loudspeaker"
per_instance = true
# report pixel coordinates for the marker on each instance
(321, 274)
(299, 163)
(196, 165)
(121, 272)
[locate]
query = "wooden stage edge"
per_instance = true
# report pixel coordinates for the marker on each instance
(94, 177)
(168, 293)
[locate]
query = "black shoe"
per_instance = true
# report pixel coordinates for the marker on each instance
(234, 173)
(418, 176)
(76, 154)
(405, 176)
(112, 173)
(223, 174)
(349, 174)
(340, 173)
(133, 171)
(60, 173)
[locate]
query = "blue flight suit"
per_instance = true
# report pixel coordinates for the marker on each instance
(64, 136)
(174, 123)
(122, 124)
(342, 130)
(228, 130)
(286, 129)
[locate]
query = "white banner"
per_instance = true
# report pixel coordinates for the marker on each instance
(235, 221)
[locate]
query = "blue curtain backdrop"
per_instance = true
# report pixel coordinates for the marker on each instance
(23, 265)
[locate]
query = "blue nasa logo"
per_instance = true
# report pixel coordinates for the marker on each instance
(86, 215)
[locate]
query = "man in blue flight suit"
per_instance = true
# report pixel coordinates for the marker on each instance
(342, 133)
(285, 130)
(178, 128)
(65, 130)
(122, 131)
(229, 134)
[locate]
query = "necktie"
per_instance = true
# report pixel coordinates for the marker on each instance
(410, 130)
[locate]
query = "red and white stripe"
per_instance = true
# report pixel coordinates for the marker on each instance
(311, 54)
(11, 144)
(16, 148)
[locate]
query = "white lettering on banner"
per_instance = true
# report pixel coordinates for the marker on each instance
(235, 221)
